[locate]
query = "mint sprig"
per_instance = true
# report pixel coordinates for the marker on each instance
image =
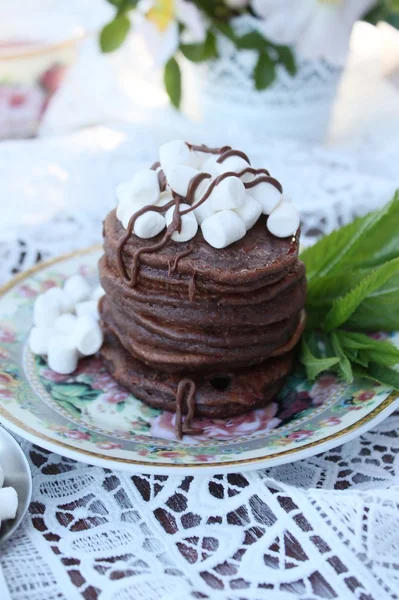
(353, 289)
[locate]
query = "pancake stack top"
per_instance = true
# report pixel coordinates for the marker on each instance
(202, 280)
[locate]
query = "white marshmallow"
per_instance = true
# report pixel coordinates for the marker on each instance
(175, 153)
(189, 224)
(249, 212)
(65, 324)
(66, 301)
(223, 228)
(229, 193)
(267, 195)
(88, 308)
(211, 166)
(205, 210)
(284, 220)
(97, 293)
(78, 288)
(127, 209)
(46, 310)
(197, 159)
(180, 177)
(142, 188)
(149, 225)
(1, 478)
(62, 355)
(8, 503)
(233, 163)
(39, 339)
(165, 198)
(87, 336)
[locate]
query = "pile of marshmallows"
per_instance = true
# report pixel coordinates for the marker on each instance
(229, 212)
(8, 500)
(66, 325)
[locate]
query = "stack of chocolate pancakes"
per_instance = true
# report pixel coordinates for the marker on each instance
(201, 331)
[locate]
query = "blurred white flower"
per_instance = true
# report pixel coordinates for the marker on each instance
(160, 26)
(316, 28)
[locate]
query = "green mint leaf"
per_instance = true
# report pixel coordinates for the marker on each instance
(264, 72)
(360, 359)
(384, 375)
(287, 58)
(200, 52)
(346, 305)
(252, 41)
(114, 33)
(367, 241)
(172, 80)
(344, 364)
(314, 365)
(380, 311)
(369, 349)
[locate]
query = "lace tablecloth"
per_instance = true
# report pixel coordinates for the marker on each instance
(326, 527)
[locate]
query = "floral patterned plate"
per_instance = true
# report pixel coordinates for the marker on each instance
(88, 417)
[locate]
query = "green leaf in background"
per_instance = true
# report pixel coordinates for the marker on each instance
(264, 72)
(227, 31)
(200, 52)
(346, 305)
(287, 58)
(344, 364)
(114, 33)
(314, 365)
(252, 41)
(367, 241)
(172, 80)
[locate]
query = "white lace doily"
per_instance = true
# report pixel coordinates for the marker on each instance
(322, 528)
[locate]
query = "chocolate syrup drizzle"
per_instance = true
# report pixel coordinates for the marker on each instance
(225, 152)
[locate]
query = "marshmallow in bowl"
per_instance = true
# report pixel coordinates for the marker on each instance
(223, 228)
(8, 503)
(284, 220)
(189, 224)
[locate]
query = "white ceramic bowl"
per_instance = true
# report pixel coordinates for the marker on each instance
(17, 474)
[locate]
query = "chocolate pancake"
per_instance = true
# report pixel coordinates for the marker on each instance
(195, 329)
(227, 394)
(171, 327)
